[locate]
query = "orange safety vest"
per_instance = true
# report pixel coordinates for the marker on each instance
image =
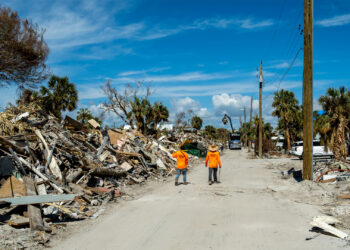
(182, 159)
(213, 158)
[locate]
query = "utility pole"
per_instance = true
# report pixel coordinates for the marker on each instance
(250, 122)
(260, 110)
(245, 128)
(307, 89)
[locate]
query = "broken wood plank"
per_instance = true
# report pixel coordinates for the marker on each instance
(11, 144)
(37, 199)
(21, 222)
(329, 180)
(344, 196)
(53, 164)
(41, 175)
(323, 223)
(105, 140)
(41, 187)
(62, 208)
(34, 211)
(94, 123)
(126, 166)
(12, 187)
(70, 122)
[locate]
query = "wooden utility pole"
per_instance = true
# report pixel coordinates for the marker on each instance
(245, 128)
(250, 123)
(260, 110)
(307, 89)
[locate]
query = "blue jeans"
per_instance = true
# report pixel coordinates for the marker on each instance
(179, 172)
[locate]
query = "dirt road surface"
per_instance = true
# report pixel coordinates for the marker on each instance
(242, 212)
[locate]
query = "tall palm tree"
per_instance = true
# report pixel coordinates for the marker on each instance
(160, 114)
(60, 95)
(286, 109)
(84, 115)
(334, 124)
(140, 110)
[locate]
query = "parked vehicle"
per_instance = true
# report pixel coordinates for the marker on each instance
(279, 142)
(318, 150)
(235, 141)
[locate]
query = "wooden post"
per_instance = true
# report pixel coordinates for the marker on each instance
(245, 127)
(34, 211)
(307, 90)
(250, 123)
(260, 110)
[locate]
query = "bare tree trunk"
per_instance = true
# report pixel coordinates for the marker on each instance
(339, 147)
(287, 135)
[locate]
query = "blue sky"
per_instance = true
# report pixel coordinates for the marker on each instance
(199, 55)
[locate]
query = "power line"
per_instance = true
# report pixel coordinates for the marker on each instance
(275, 31)
(288, 69)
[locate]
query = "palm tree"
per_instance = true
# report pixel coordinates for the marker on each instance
(196, 122)
(160, 114)
(61, 95)
(267, 131)
(286, 109)
(84, 115)
(334, 124)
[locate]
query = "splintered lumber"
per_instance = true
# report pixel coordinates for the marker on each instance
(34, 211)
(21, 222)
(163, 149)
(344, 196)
(53, 164)
(100, 190)
(126, 166)
(12, 187)
(37, 199)
(41, 175)
(323, 223)
(62, 208)
(11, 144)
(41, 187)
(70, 122)
(94, 123)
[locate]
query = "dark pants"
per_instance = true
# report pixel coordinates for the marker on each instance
(213, 172)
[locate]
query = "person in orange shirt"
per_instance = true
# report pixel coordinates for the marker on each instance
(213, 158)
(181, 165)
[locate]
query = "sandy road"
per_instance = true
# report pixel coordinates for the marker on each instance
(239, 213)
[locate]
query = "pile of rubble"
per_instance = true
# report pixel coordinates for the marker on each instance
(52, 171)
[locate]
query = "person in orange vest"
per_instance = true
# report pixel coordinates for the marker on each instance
(213, 158)
(181, 165)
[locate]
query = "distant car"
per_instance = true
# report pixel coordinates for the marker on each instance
(317, 150)
(279, 142)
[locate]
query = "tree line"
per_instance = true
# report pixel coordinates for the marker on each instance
(332, 124)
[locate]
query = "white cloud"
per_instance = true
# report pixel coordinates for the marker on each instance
(251, 24)
(93, 91)
(203, 24)
(186, 104)
(334, 21)
(316, 105)
(232, 105)
(185, 77)
(142, 72)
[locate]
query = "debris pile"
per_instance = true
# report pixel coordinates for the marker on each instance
(52, 171)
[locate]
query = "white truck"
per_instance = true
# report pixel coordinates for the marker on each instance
(317, 151)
